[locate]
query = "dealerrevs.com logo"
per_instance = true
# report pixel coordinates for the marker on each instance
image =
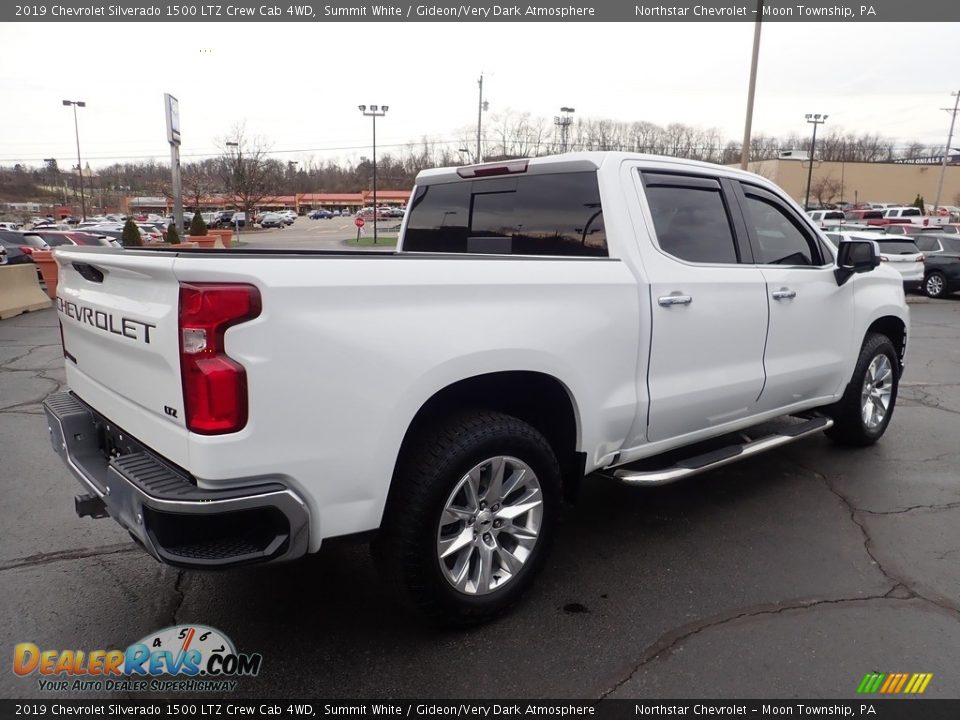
(186, 658)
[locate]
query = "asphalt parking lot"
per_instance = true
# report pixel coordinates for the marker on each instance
(329, 234)
(790, 575)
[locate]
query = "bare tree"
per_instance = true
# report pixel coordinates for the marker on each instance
(825, 189)
(246, 171)
(199, 181)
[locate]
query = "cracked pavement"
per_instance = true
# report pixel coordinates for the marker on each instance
(789, 575)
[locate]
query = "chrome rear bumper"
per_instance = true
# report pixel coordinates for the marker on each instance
(161, 506)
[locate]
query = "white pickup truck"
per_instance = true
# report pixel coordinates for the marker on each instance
(605, 314)
(913, 216)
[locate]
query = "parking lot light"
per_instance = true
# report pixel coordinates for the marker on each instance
(374, 112)
(76, 130)
(814, 119)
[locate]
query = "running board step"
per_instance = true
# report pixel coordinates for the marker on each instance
(723, 456)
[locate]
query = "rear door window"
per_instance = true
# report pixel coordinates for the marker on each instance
(690, 218)
(557, 214)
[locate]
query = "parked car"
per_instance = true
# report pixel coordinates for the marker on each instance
(901, 253)
(16, 250)
(941, 253)
(320, 215)
(59, 238)
(272, 220)
(823, 218)
(914, 216)
(10, 225)
(289, 216)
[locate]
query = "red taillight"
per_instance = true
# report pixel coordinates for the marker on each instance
(214, 385)
(26, 249)
(884, 258)
(920, 259)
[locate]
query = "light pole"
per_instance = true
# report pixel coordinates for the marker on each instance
(481, 106)
(374, 112)
(237, 170)
(814, 120)
(946, 150)
(563, 122)
(76, 130)
(292, 169)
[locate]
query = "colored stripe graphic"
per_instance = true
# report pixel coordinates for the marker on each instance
(888, 683)
(894, 683)
(902, 682)
(914, 682)
(865, 683)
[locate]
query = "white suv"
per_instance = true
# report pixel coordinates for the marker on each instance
(901, 253)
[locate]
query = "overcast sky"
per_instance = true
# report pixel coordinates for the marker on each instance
(298, 85)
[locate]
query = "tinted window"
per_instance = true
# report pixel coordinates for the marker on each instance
(834, 216)
(898, 247)
(927, 244)
(692, 223)
(779, 240)
(911, 212)
(529, 215)
(833, 238)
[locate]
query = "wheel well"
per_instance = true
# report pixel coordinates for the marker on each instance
(538, 399)
(894, 329)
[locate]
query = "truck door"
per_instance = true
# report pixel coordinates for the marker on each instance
(708, 307)
(809, 339)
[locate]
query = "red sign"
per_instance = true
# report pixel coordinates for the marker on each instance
(358, 222)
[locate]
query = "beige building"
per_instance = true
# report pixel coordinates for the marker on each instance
(862, 182)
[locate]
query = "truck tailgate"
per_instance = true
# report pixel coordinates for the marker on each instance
(119, 313)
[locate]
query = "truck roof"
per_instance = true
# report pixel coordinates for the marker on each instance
(577, 162)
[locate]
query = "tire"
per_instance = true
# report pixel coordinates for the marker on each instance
(861, 418)
(935, 284)
(430, 513)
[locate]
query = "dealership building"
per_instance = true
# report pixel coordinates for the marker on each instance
(300, 203)
(879, 182)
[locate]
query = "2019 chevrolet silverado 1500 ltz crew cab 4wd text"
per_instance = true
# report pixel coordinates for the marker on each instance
(541, 320)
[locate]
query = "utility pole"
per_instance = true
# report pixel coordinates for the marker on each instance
(946, 150)
(748, 123)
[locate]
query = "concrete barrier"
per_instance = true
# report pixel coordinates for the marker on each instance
(20, 291)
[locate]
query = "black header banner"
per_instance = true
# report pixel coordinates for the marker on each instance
(864, 11)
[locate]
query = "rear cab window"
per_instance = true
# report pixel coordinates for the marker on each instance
(555, 214)
(898, 247)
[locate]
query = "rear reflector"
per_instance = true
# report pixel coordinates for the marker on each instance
(214, 385)
(511, 167)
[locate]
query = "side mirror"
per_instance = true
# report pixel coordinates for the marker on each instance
(856, 256)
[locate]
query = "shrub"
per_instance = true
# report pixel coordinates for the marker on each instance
(131, 234)
(197, 225)
(173, 237)
(918, 203)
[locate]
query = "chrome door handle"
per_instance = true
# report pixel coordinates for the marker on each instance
(668, 300)
(784, 294)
